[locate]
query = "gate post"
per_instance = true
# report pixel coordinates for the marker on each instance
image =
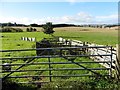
(50, 73)
(50, 70)
(117, 63)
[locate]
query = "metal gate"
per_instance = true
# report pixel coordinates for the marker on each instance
(25, 66)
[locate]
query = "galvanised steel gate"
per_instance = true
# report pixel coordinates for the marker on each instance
(51, 63)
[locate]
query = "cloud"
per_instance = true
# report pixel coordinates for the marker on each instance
(107, 19)
(114, 16)
(23, 20)
(72, 1)
(79, 18)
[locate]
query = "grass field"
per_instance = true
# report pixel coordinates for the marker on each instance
(92, 35)
(13, 40)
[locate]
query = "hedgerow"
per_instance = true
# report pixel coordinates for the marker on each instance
(9, 29)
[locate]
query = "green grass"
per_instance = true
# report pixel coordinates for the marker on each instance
(104, 37)
(12, 41)
(65, 72)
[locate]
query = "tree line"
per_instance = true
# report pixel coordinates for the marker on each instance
(34, 25)
(58, 25)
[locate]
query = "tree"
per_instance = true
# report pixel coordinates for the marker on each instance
(15, 24)
(48, 28)
(9, 24)
(27, 29)
(34, 25)
(31, 29)
(2, 26)
(34, 29)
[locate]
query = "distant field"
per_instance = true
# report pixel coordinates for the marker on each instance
(24, 28)
(92, 35)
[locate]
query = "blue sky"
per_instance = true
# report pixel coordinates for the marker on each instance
(59, 12)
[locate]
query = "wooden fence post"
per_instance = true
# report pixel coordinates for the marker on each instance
(117, 63)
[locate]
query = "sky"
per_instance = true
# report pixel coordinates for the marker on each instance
(59, 12)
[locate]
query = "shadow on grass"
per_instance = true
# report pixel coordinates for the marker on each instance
(93, 84)
(10, 85)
